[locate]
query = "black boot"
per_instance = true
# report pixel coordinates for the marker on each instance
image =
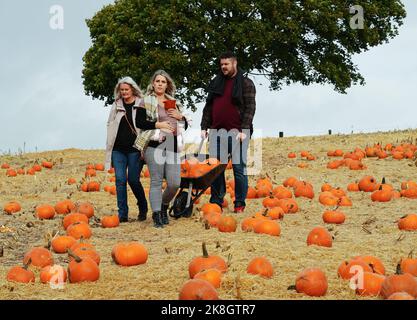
(164, 213)
(157, 221)
(142, 216)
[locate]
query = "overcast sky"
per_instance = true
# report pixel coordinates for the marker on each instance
(43, 102)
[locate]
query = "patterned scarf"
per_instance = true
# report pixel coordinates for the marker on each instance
(144, 136)
(151, 106)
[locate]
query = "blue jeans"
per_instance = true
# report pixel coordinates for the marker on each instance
(219, 149)
(132, 162)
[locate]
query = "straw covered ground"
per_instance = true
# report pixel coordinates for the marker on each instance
(173, 247)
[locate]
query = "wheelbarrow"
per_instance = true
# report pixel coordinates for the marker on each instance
(185, 199)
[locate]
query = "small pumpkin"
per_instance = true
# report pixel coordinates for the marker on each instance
(64, 207)
(269, 227)
(86, 208)
(129, 254)
(61, 244)
(213, 276)
(55, 275)
(83, 252)
(319, 236)
(38, 257)
(79, 229)
(401, 296)
(227, 224)
(206, 262)
(260, 266)
(82, 269)
(334, 217)
(367, 184)
(197, 289)
(12, 207)
(370, 284)
(45, 211)
(312, 282)
(408, 222)
(21, 274)
(399, 283)
(73, 218)
(110, 221)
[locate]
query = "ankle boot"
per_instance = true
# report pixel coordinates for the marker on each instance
(157, 221)
(164, 213)
(142, 216)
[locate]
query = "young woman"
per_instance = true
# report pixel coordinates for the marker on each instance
(121, 135)
(161, 141)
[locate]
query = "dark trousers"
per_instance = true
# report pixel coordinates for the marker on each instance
(220, 147)
(131, 163)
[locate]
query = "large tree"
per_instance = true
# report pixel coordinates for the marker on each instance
(305, 41)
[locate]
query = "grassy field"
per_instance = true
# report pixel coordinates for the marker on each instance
(172, 248)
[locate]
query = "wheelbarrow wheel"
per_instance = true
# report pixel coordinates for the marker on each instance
(179, 209)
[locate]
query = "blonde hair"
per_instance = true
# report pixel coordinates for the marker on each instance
(127, 80)
(170, 83)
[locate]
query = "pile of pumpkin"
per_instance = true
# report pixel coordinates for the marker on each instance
(193, 168)
(10, 172)
(353, 160)
(206, 273)
(84, 259)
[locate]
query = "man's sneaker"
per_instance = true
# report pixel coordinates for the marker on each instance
(239, 209)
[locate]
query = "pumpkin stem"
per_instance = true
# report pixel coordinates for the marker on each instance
(1, 251)
(265, 212)
(73, 255)
(410, 255)
(398, 270)
(27, 264)
(383, 180)
(291, 287)
(205, 253)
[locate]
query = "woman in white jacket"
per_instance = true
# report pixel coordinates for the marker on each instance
(161, 141)
(121, 135)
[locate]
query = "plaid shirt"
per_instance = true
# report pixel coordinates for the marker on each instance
(246, 111)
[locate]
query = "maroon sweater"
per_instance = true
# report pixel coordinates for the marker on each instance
(224, 114)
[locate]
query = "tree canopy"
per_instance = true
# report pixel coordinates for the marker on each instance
(288, 41)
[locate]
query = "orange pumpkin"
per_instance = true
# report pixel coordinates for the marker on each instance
(20, 274)
(213, 276)
(73, 218)
(408, 222)
(45, 211)
(64, 207)
(86, 208)
(129, 253)
(78, 230)
(370, 284)
(55, 275)
(269, 227)
(248, 224)
(399, 283)
(312, 282)
(319, 236)
(367, 184)
(61, 244)
(83, 252)
(227, 224)
(333, 216)
(197, 289)
(110, 221)
(400, 296)
(12, 207)
(38, 257)
(206, 261)
(83, 270)
(260, 266)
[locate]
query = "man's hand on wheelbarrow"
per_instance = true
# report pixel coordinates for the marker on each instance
(241, 136)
